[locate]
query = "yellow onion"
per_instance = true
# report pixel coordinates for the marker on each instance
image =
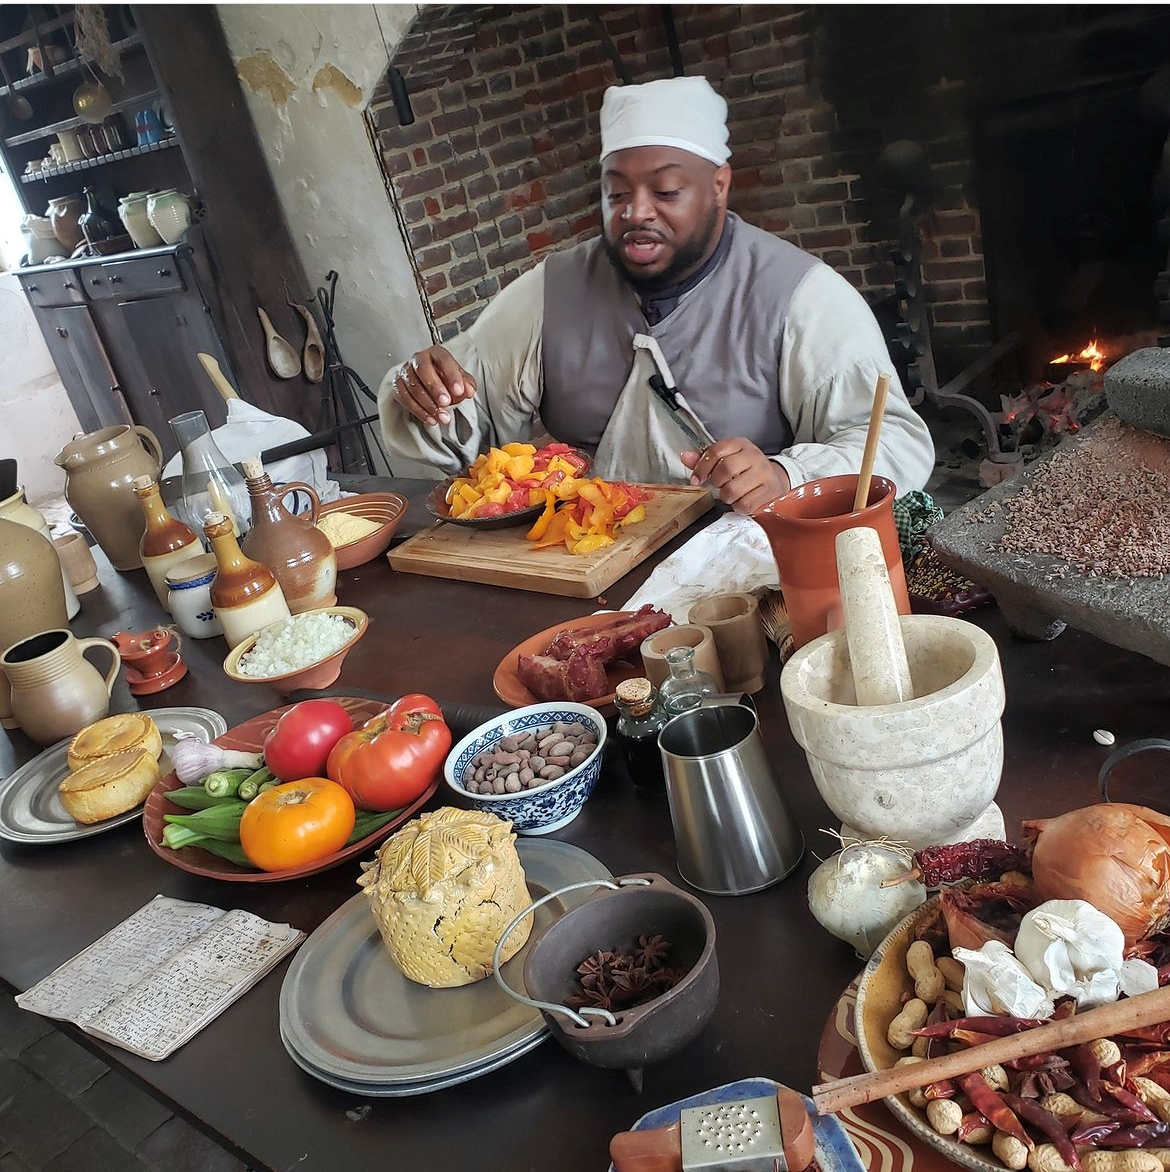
(1114, 856)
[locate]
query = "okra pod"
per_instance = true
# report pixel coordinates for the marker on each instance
(223, 783)
(222, 822)
(251, 784)
(194, 797)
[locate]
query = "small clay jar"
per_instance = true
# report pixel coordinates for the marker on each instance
(293, 548)
(166, 542)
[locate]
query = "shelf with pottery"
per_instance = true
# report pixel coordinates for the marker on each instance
(64, 69)
(134, 101)
(97, 161)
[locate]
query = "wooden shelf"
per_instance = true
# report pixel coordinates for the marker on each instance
(113, 156)
(65, 69)
(134, 102)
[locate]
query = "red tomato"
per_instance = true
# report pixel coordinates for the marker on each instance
(300, 743)
(393, 757)
(490, 509)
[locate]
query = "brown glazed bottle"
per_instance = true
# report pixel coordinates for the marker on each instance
(245, 595)
(292, 547)
(166, 542)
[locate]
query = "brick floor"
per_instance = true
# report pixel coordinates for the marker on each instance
(62, 1109)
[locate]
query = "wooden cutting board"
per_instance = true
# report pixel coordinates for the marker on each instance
(503, 557)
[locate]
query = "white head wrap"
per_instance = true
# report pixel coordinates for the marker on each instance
(682, 112)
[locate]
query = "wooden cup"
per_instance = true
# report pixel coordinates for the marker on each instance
(78, 560)
(734, 621)
(655, 647)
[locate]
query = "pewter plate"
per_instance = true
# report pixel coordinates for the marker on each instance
(30, 808)
(402, 1090)
(352, 1017)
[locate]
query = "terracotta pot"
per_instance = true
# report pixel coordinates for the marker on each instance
(100, 469)
(65, 212)
(293, 548)
(802, 527)
(17, 509)
(55, 692)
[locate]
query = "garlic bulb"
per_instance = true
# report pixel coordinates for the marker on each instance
(846, 897)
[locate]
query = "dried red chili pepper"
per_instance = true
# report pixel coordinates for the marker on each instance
(1088, 1068)
(1091, 1134)
(995, 1026)
(1108, 1107)
(1049, 1126)
(990, 1103)
(1130, 1101)
(981, 858)
(1142, 1136)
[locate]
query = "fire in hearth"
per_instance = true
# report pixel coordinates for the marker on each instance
(1092, 356)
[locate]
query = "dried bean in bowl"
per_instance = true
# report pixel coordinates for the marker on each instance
(525, 760)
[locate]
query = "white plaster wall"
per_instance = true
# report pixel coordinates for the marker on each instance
(36, 417)
(326, 175)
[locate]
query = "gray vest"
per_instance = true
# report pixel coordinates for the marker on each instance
(722, 342)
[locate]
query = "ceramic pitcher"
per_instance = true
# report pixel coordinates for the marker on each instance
(55, 692)
(100, 469)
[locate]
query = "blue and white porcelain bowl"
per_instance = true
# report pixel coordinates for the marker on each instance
(544, 808)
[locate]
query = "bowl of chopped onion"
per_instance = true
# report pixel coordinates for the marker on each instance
(305, 651)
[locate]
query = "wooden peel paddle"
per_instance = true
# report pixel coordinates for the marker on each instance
(1103, 1022)
(871, 442)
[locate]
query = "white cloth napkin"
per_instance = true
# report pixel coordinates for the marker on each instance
(732, 555)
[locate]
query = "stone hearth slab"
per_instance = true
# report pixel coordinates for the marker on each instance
(1040, 594)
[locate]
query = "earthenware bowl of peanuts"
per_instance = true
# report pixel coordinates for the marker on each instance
(534, 766)
(1082, 1107)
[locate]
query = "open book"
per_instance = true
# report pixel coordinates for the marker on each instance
(159, 977)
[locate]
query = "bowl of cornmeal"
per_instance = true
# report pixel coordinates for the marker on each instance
(360, 527)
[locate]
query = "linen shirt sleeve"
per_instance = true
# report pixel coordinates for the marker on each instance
(502, 352)
(831, 356)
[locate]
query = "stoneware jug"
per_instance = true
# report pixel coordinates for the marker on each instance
(30, 600)
(55, 692)
(100, 469)
(64, 212)
(16, 508)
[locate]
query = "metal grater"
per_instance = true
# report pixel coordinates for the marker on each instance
(743, 1136)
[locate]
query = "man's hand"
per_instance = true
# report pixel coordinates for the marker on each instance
(430, 382)
(746, 479)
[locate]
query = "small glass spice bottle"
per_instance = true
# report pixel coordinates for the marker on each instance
(639, 720)
(245, 595)
(687, 686)
(166, 541)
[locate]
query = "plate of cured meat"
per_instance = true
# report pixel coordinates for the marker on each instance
(582, 659)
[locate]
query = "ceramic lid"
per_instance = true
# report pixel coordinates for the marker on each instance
(196, 567)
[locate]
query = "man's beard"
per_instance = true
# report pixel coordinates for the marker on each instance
(687, 257)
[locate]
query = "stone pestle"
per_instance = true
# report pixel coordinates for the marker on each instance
(873, 631)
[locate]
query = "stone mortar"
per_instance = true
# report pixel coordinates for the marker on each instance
(923, 771)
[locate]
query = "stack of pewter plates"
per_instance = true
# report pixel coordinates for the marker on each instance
(349, 1017)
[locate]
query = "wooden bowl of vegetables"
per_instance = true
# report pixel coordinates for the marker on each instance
(221, 857)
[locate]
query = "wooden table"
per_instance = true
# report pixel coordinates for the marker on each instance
(781, 974)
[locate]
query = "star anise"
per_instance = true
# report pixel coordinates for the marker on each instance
(652, 951)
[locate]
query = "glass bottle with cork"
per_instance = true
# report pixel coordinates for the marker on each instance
(639, 720)
(687, 686)
(245, 595)
(166, 541)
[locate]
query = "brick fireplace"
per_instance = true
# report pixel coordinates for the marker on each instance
(500, 165)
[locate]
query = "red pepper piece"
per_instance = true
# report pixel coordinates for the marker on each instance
(981, 858)
(1155, 1033)
(989, 1103)
(972, 1121)
(1092, 1134)
(1028, 1062)
(1106, 1106)
(1049, 1126)
(943, 1089)
(1161, 1077)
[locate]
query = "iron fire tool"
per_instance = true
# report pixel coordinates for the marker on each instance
(664, 387)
